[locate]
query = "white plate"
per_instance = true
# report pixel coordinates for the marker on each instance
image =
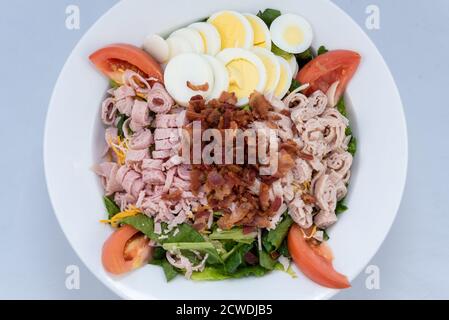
(74, 140)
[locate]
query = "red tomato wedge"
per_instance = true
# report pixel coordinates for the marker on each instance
(328, 68)
(125, 250)
(315, 263)
(114, 59)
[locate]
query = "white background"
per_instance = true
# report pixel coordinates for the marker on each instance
(34, 45)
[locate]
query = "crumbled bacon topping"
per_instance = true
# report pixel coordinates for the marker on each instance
(202, 87)
(227, 187)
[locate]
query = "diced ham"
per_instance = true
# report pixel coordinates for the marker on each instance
(137, 155)
(141, 113)
(153, 176)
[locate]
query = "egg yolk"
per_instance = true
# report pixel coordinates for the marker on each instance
(293, 35)
(231, 29)
(271, 73)
(259, 34)
(243, 77)
(282, 82)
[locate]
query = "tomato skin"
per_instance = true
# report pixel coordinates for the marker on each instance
(124, 251)
(316, 267)
(332, 66)
(105, 58)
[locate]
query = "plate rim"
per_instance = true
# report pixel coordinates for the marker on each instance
(109, 284)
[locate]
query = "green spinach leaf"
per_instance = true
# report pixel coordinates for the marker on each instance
(269, 15)
(111, 207)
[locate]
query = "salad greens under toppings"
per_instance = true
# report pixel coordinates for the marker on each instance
(231, 253)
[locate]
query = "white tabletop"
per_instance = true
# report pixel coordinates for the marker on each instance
(413, 260)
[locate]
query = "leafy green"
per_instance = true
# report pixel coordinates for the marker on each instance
(204, 247)
(235, 234)
(121, 121)
(266, 261)
(325, 236)
(246, 107)
(142, 223)
(113, 84)
(341, 207)
(268, 15)
(186, 233)
(283, 249)
(348, 131)
(158, 253)
(295, 85)
(279, 52)
(304, 58)
(273, 239)
(341, 107)
(322, 50)
(236, 257)
(352, 146)
(159, 259)
(169, 271)
(145, 224)
(215, 273)
(289, 270)
(111, 207)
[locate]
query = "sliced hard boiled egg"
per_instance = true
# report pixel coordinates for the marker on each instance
(272, 67)
(246, 72)
(221, 77)
(291, 33)
(262, 36)
(209, 34)
(285, 79)
(188, 75)
(192, 36)
(179, 45)
(234, 29)
(157, 47)
(293, 63)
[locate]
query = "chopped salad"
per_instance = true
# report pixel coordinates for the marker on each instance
(191, 209)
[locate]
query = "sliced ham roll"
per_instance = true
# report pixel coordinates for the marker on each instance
(159, 101)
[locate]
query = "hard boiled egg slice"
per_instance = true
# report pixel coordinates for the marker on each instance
(157, 47)
(178, 45)
(285, 80)
(234, 29)
(293, 63)
(246, 72)
(291, 33)
(192, 36)
(221, 77)
(209, 34)
(272, 67)
(185, 72)
(262, 36)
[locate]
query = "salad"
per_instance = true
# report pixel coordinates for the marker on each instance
(189, 120)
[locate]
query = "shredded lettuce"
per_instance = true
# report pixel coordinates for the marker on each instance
(121, 121)
(113, 84)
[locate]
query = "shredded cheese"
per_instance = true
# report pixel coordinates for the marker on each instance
(119, 150)
(131, 211)
(311, 234)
